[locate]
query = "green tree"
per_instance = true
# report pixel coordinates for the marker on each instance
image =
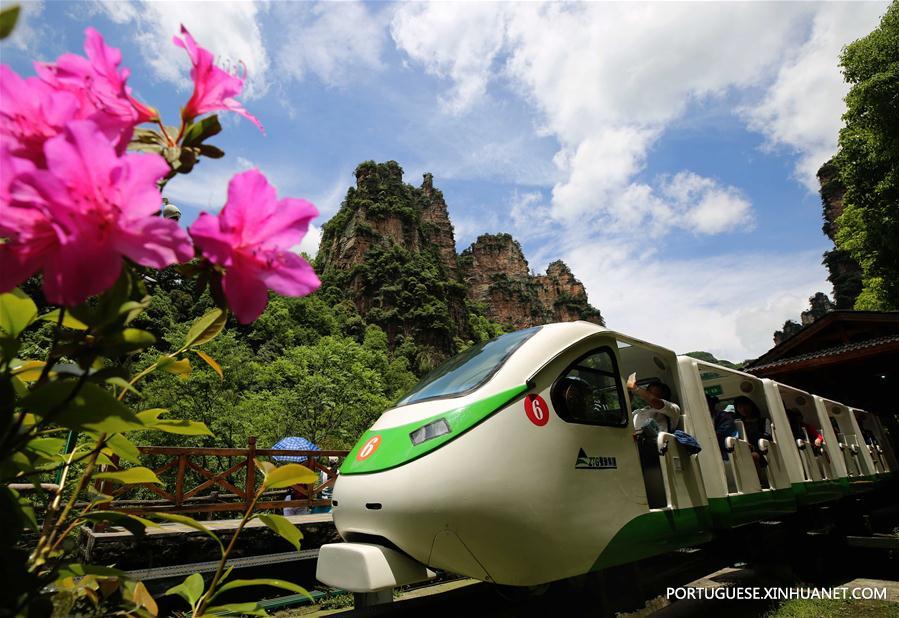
(868, 162)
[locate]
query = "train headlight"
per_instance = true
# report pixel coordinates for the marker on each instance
(430, 431)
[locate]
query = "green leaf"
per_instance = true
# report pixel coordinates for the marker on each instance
(206, 327)
(289, 474)
(45, 448)
(151, 416)
(283, 527)
(132, 523)
(142, 598)
(189, 522)
(123, 384)
(191, 589)
(180, 368)
(151, 419)
(134, 308)
(130, 339)
(212, 152)
(182, 428)
(91, 409)
(123, 447)
(202, 130)
(29, 371)
(130, 476)
(211, 362)
(8, 19)
(164, 361)
(277, 583)
(68, 320)
(242, 609)
(17, 311)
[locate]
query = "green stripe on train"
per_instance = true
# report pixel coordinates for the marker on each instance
(654, 533)
(747, 508)
(395, 448)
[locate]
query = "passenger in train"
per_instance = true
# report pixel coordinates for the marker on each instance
(723, 421)
(660, 409)
(756, 430)
(660, 414)
(753, 422)
(797, 424)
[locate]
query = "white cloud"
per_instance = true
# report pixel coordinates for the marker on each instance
(32, 34)
(329, 40)
(311, 241)
(702, 205)
(458, 41)
(230, 30)
(728, 305)
(803, 107)
(608, 79)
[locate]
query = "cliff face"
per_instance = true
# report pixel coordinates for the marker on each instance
(390, 251)
(496, 275)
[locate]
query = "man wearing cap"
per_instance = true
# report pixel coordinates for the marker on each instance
(659, 409)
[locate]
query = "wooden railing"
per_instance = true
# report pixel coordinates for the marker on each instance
(231, 489)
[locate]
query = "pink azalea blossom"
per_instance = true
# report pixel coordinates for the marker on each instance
(35, 109)
(31, 112)
(214, 89)
(20, 227)
(252, 239)
(100, 87)
(88, 209)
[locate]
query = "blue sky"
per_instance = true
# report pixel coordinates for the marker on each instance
(665, 151)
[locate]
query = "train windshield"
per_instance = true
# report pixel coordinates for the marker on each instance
(467, 371)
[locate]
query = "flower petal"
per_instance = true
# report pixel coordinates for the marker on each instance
(293, 276)
(155, 242)
(78, 270)
(246, 294)
(217, 246)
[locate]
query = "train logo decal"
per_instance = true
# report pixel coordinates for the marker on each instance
(536, 409)
(369, 448)
(585, 462)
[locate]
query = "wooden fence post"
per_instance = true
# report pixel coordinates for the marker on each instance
(250, 489)
(179, 480)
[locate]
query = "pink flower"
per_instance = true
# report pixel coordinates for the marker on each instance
(252, 239)
(35, 109)
(31, 112)
(100, 87)
(214, 89)
(22, 228)
(87, 210)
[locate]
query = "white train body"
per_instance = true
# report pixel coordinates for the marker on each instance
(504, 486)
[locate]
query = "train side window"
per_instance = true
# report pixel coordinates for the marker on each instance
(589, 391)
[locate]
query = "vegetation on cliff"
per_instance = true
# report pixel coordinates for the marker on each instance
(868, 163)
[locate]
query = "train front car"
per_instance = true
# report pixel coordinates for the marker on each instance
(514, 463)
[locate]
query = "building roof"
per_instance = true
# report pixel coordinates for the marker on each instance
(831, 352)
(834, 333)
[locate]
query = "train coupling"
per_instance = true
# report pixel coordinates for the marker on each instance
(366, 567)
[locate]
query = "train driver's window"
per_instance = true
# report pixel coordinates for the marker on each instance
(589, 391)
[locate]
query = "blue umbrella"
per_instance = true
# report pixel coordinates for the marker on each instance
(294, 443)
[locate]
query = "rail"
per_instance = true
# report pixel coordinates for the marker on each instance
(191, 487)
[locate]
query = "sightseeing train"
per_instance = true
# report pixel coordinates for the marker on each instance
(491, 470)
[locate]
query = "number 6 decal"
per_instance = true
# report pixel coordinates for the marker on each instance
(368, 448)
(536, 409)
